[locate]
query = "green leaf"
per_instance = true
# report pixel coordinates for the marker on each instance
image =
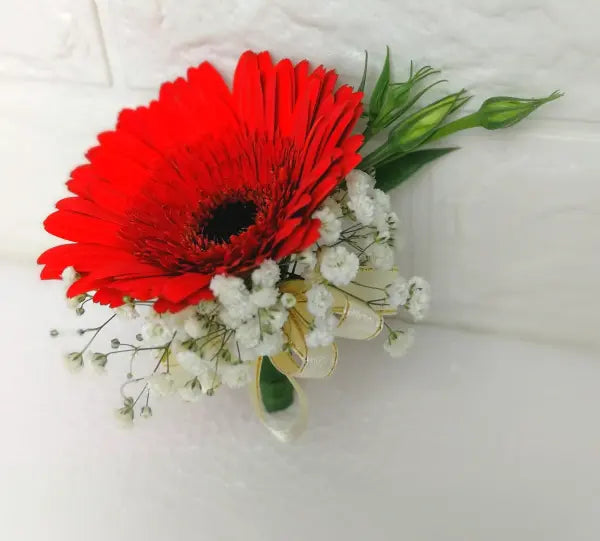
(361, 86)
(393, 173)
(460, 102)
(276, 391)
(381, 87)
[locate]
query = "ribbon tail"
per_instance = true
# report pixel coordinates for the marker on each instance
(285, 425)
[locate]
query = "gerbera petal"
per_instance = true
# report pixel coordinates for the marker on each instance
(183, 286)
(269, 86)
(82, 256)
(285, 96)
(247, 92)
(109, 296)
(80, 228)
(87, 208)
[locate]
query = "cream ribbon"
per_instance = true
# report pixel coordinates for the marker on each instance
(359, 308)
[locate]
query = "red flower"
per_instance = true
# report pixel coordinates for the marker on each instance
(205, 181)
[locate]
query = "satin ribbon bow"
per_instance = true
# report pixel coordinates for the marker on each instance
(359, 308)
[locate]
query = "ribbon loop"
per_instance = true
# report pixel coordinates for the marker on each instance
(359, 308)
(369, 286)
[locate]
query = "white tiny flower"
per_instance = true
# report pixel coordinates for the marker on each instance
(267, 275)
(248, 333)
(380, 221)
(307, 262)
(124, 416)
(319, 300)
(174, 322)
(382, 201)
(363, 207)
(191, 391)
(339, 266)
(359, 183)
(195, 327)
(270, 343)
(331, 225)
(397, 292)
(221, 284)
(98, 361)
(381, 256)
(420, 297)
(399, 342)
(74, 361)
(154, 332)
(193, 363)
(322, 332)
(160, 384)
(393, 220)
(127, 311)
(231, 318)
(233, 294)
(288, 300)
(74, 302)
(264, 297)
(146, 412)
(69, 276)
(276, 317)
(334, 206)
(209, 381)
(236, 376)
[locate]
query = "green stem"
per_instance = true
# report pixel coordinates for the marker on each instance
(464, 123)
(377, 157)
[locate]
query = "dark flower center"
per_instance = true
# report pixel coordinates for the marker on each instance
(229, 218)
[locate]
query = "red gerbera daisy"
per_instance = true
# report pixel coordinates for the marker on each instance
(205, 181)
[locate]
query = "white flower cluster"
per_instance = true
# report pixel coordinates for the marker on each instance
(413, 295)
(319, 303)
(361, 217)
(214, 342)
(357, 228)
(399, 342)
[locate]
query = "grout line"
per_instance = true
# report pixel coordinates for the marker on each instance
(528, 337)
(102, 38)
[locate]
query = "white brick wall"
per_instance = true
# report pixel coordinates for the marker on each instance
(52, 40)
(508, 229)
(468, 438)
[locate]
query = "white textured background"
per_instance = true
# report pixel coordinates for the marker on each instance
(472, 437)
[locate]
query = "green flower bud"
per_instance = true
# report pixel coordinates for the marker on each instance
(494, 113)
(503, 112)
(415, 129)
